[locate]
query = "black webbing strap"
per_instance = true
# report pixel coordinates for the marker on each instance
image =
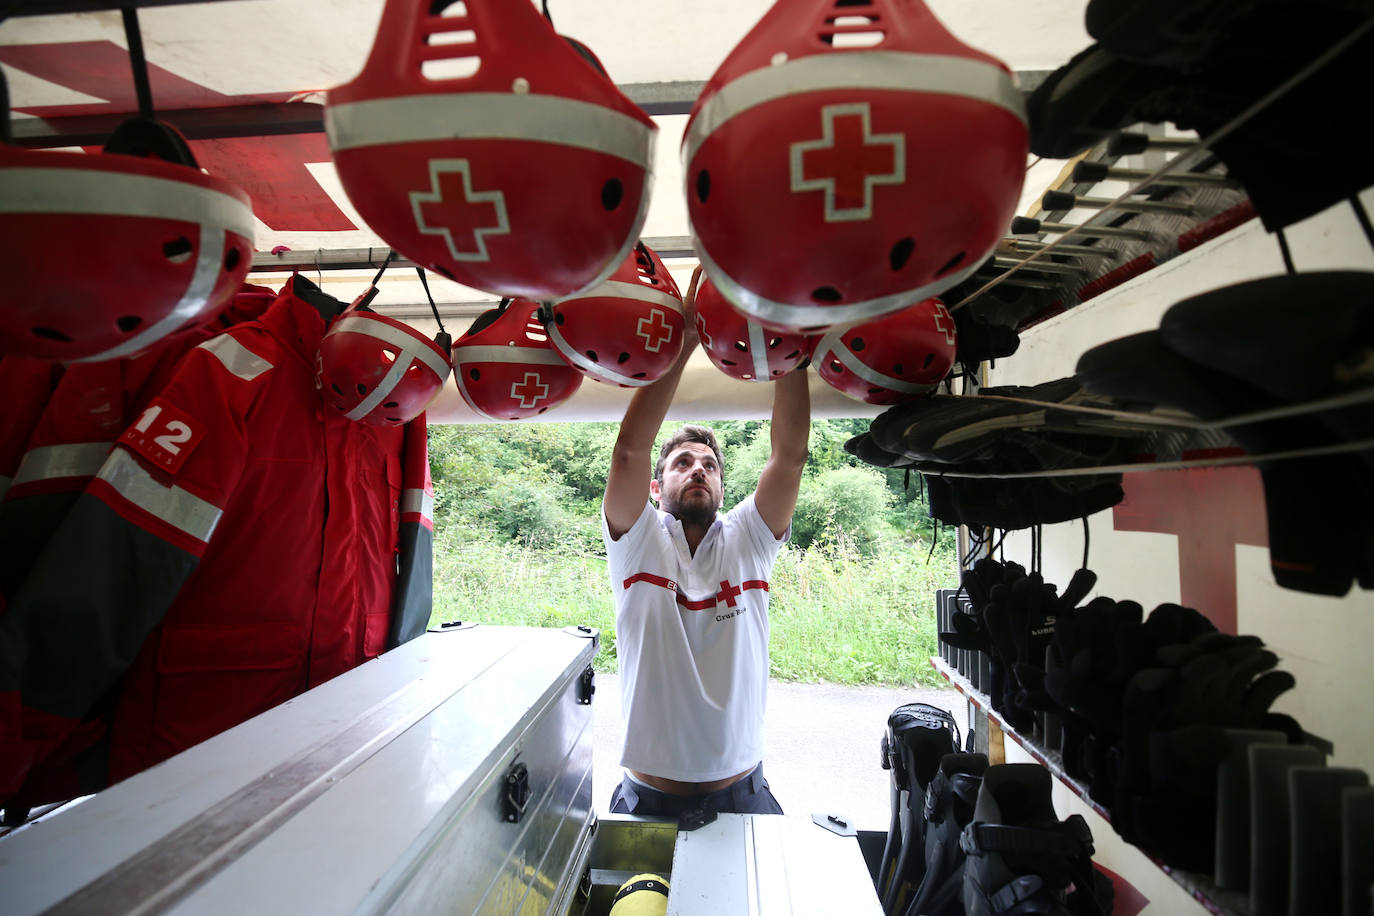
(643, 884)
(979, 839)
(1015, 892)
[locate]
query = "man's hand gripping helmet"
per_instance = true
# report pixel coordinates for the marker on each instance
(628, 330)
(895, 359)
(505, 367)
(485, 147)
(377, 370)
(741, 347)
(111, 253)
(829, 185)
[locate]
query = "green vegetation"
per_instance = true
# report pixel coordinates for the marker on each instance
(518, 541)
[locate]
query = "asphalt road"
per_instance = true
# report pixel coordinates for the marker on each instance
(822, 745)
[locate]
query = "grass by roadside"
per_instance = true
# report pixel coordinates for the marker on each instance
(836, 616)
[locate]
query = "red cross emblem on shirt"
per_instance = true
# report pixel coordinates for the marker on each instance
(728, 593)
(453, 210)
(530, 390)
(847, 162)
(655, 330)
(944, 321)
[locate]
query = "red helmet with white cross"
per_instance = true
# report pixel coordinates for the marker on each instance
(380, 371)
(829, 184)
(741, 347)
(109, 254)
(897, 358)
(628, 330)
(505, 367)
(483, 146)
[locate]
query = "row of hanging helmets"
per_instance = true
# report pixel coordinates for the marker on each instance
(833, 192)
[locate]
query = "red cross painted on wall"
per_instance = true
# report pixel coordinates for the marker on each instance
(1210, 510)
(944, 322)
(655, 330)
(847, 162)
(272, 169)
(530, 390)
(451, 208)
(728, 593)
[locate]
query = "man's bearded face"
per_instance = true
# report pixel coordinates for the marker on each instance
(691, 489)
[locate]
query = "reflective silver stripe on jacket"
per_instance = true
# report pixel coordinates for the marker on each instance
(490, 116)
(830, 346)
(866, 70)
(53, 462)
(235, 357)
(182, 510)
(417, 501)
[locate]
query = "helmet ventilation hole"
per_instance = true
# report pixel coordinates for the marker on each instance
(814, 329)
(474, 374)
(901, 253)
(612, 192)
(639, 375)
(703, 185)
(591, 355)
(340, 408)
(393, 419)
(897, 369)
(950, 264)
(930, 358)
(558, 318)
(231, 260)
(128, 323)
(391, 404)
(774, 343)
(542, 409)
(622, 359)
(389, 355)
(50, 334)
(856, 344)
(178, 249)
(793, 355)
(362, 389)
(875, 391)
(746, 376)
(777, 372)
(826, 294)
(727, 362)
(741, 346)
(337, 389)
(836, 366)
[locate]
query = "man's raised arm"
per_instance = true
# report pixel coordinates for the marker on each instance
(627, 483)
(788, 432)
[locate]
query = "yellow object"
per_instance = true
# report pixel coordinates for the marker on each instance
(642, 895)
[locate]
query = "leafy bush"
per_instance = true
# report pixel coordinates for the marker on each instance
(843, 503)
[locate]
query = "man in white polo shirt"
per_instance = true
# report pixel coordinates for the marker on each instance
(691, 597)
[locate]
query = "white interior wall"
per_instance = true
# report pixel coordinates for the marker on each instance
(1323, 641)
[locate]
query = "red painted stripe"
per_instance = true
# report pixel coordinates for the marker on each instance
(1209, 229)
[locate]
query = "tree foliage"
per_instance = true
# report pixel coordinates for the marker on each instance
(541, 484)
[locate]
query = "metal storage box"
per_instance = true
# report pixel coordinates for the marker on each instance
(452, 774)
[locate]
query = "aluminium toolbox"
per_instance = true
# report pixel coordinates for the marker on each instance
(451, 775)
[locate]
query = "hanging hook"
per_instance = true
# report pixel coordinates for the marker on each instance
(139, 62)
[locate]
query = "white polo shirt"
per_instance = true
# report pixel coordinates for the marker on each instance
(692, 638)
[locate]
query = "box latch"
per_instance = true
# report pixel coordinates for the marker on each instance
(517, 792)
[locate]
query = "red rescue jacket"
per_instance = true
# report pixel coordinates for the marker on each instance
(240, 545)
